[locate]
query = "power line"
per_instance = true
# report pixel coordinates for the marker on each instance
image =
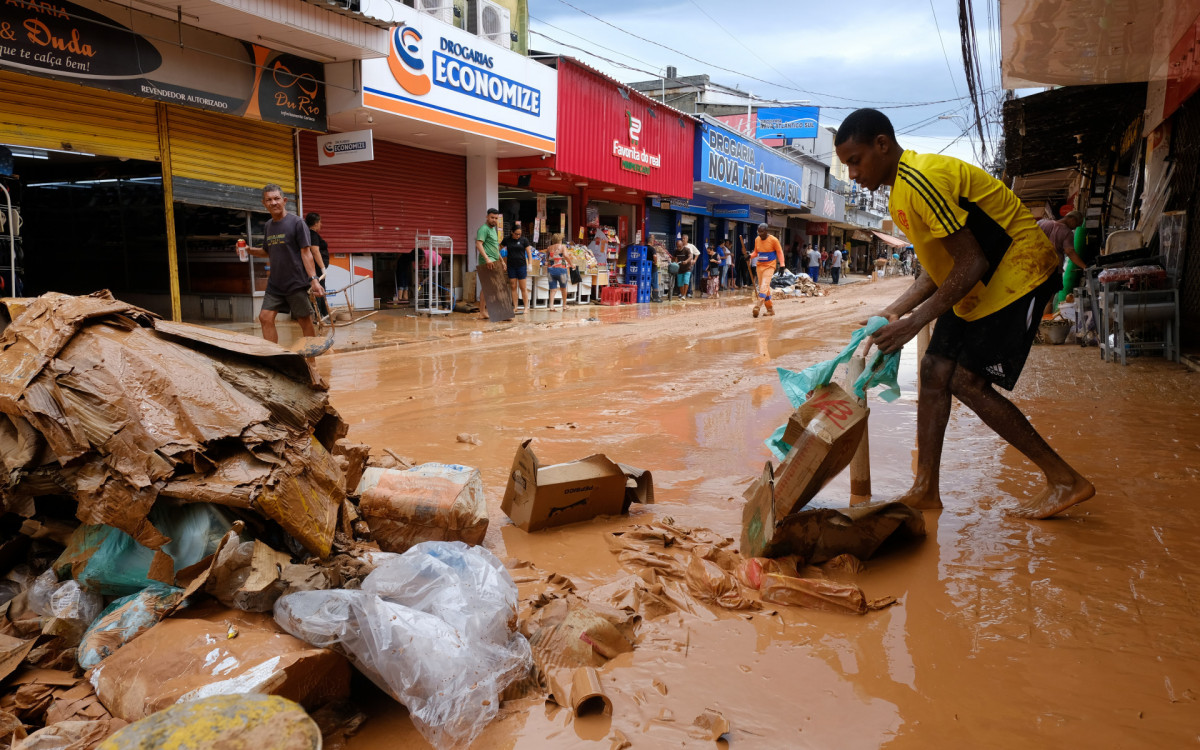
(945, 55)
(734, 37)
(756, 78)
(577, 36)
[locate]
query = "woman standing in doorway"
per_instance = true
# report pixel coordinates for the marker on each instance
(557, 260)
(320, 254)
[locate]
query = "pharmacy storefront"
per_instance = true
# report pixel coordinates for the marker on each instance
(742, 179)
(439, 111)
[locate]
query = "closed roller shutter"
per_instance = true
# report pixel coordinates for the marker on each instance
(661, 222)
(219, 149)
(44, 113)
(379, 206)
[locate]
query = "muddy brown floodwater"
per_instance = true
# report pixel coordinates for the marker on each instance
(1081, 631)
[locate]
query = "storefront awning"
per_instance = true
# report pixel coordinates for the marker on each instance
(893, 241)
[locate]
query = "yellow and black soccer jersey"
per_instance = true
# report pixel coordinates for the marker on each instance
(935, 196)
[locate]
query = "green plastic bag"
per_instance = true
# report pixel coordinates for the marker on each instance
(108, 561)
(881, 369)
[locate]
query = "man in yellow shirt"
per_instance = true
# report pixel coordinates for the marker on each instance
(988, 273)
(768, 255)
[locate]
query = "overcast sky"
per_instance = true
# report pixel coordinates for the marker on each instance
(840, 55)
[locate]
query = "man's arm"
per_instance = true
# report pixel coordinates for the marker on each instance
(969, 267)
(257, 252)
(483, 257)
(306, 257)
(1069, 248)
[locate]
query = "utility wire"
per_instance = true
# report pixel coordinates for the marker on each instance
(735, 38)
(945, 55)
(755, 78)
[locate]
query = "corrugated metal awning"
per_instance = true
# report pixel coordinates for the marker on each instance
(893, 241)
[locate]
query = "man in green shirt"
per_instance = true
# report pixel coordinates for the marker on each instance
(487, 245)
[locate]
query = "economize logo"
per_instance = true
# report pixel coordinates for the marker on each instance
(405, 62)
(328, 149)
(635, 129)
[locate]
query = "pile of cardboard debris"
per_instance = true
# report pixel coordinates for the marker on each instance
(176, 500)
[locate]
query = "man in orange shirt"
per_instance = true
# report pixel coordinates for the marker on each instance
(769, 254)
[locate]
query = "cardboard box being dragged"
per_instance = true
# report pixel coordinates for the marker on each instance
(538, 497)
(824, 433)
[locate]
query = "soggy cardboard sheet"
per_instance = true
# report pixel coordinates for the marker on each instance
(539, 497)
(216, 651)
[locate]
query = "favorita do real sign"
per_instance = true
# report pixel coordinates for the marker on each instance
(344, 148)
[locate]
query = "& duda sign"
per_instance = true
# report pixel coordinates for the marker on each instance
(116, 48)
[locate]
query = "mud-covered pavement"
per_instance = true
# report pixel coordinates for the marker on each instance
(1080, 631)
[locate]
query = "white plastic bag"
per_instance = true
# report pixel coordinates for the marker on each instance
(434, 627)
(66, 600)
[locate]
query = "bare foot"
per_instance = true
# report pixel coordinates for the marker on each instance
(920, 499)
(1055, 499)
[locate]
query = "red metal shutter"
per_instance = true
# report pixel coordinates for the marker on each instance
(379, 206)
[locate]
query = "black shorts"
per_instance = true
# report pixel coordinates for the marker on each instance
(295, 304)
(997, 345)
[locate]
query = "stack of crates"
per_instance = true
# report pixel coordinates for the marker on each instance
(639, 271)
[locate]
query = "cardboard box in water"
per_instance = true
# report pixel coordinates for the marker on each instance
(824, 433)
(538, 497)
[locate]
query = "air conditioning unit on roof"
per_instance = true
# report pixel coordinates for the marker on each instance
(490, 21)
(442, 10)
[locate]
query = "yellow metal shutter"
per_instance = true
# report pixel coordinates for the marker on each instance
(44, 113)
(230, 150)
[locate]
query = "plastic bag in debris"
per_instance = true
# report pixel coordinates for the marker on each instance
(784, 277)
(881, 369)
(64, 601)
(108, 561)
(427, 503)
(126, 619)
(434, 627)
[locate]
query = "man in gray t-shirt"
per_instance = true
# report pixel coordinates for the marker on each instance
(287, 245)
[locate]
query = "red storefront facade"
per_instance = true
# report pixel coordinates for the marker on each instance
(614, 145)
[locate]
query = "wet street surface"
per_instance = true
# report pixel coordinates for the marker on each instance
(1080, 631)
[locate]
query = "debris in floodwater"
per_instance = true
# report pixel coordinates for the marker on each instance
(469, 438)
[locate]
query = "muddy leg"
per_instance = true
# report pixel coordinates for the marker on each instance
(1065, 486)
(933, 412)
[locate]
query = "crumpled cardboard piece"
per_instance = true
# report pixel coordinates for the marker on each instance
(570, 638)
(817, 593)
(216, 651)
(129, 407)
(709, 582)
(822, 534)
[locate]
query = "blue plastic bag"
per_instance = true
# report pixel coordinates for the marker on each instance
(126, 619)
(882, 369)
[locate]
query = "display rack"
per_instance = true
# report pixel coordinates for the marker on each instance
(434, 274)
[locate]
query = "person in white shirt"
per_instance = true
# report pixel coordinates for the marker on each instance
(695, 251)
(814, 263)
(835, 265)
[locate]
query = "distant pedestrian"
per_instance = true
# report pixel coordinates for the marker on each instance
(517, 254)
(768, 255)
(288, 247)
(835, 266)
(814, 264)
(713, 286)
(487, 246)
(556, 260)
(320, 255)
(726, 251)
